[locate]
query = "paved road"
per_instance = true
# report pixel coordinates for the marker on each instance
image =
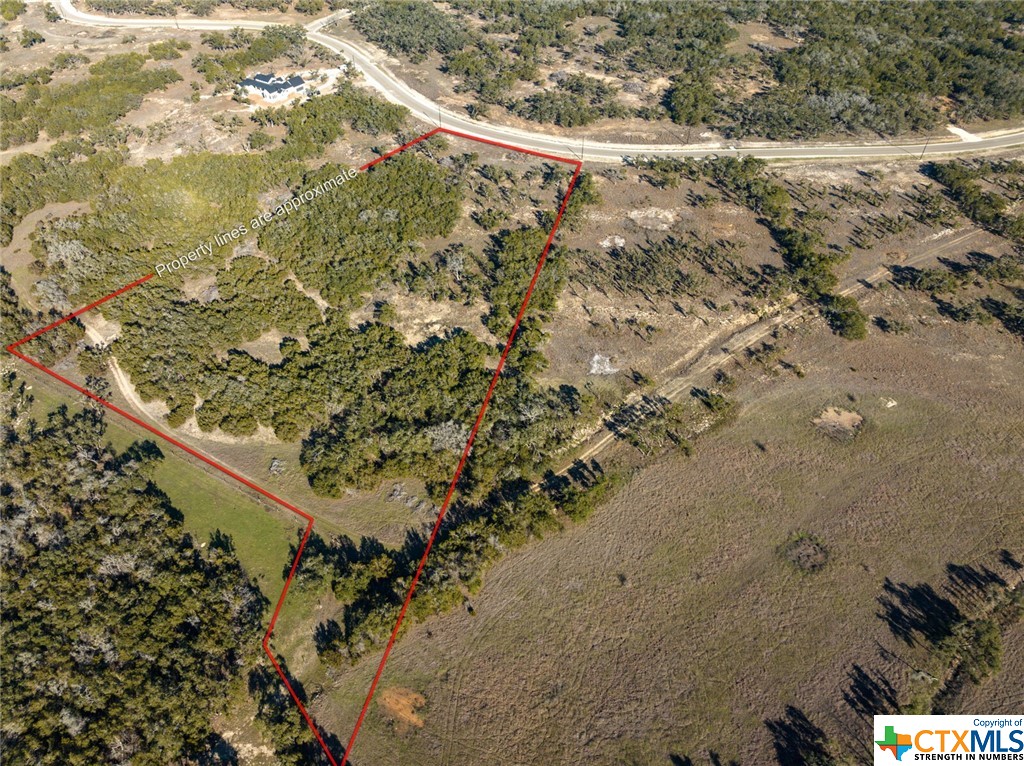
(372, 63)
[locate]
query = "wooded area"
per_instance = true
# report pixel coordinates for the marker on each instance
(120, 636)
(887, 68)
(115, 86)
(873, 67)
(368, 405)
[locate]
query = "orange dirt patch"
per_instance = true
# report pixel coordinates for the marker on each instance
(401, 705)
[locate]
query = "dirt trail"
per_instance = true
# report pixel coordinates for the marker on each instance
(721, 349)
(102, 332)
(313, 295)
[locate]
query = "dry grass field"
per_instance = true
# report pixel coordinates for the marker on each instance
(668, 626)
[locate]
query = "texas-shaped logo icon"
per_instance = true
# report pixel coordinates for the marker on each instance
(897, 744)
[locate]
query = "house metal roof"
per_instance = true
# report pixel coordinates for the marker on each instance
(272, 84)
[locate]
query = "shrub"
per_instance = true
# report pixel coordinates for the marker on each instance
(165, 50)
(11, 9)
(259, 139)
(805, 552)
(30, 37)
(844, 316)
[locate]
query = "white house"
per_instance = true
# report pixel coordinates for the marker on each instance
(272, 88)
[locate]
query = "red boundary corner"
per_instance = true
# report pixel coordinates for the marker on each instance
(13, 349)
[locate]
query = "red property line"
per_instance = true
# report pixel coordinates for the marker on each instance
(476, 425)
(13, 349)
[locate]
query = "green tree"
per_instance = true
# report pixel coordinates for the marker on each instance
(689, 102)
(120, 635)
(11, 9)
(844, 316)
(30, 37)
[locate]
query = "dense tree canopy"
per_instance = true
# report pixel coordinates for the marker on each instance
(120, 636)
(358, 236)
(577, 100)
(411, 27)
(16, 322)
(877, 67)
(888, 67)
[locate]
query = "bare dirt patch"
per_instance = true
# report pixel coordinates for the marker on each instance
(401, 705)
(421, 318)
(199, 288)
(753, 34)
(267, 347)
(841, 425)
(654, 218)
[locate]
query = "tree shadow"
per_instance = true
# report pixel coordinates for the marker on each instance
(911, 611)
(882, 323)
(962, 270)
(716, 760)
(904, 276)
(315, 546)
(1010, 561)
(266, 687)
(554, 483)
(870, 694)
(335, 745)
(410, 553)
(1012, 318)
(326, 635)
(138, 454)
(336, 556)
(978, 258)
(965, 313)
(623, 419)
(218, 752)
(970, 584)
(222, 541)
(798, 741)
(294, 741)
(586, 474)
